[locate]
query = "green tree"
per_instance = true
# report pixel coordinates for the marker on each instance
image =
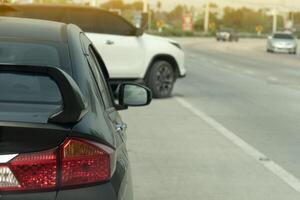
(213, 18)
(137, 6)
(246, 20)
(113, 4)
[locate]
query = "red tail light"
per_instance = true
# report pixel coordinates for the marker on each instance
(35, 170)
(81, 162)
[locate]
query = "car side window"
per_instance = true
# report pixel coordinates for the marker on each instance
(110, 23)
(97, 72)
(88, 19)
(103, 85)
(100, 22)
(85, 19)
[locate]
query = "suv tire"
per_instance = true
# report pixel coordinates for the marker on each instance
(161, 79)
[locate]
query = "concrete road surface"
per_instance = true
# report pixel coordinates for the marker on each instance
(230, 132)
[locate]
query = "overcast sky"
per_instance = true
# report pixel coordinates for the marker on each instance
(170, 4)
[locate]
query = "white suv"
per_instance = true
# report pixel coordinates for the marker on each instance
(128, 53)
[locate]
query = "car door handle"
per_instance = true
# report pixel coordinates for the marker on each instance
(109, 42)
(121, 127)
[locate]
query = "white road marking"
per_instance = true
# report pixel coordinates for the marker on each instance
(275, 168)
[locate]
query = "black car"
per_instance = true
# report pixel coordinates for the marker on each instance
(61, 137)
(227, 34)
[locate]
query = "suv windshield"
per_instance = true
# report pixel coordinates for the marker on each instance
(226, 30)
(283, 36)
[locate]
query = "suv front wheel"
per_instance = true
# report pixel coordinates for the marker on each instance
(161, 79)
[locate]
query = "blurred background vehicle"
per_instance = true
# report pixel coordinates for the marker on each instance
(282, 42)
(62, 135)
(227, 34)
(129, 53)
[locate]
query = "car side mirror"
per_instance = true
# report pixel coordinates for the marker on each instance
(131, 94)
(139, 32)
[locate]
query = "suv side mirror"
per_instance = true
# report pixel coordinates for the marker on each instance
(139, 32)
(131, 94)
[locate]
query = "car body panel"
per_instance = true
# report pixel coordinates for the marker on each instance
(110, 119)
(30, 196)
(163, 46)
(37, 137)
(124, 54)
(137, 52)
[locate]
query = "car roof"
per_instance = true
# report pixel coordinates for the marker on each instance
(14, 7)
(32, 29)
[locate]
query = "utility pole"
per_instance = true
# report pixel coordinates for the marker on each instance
(145, 6)
(206, 17)
(147, 12)
(158, 5)
(149, 17)
(274, 13)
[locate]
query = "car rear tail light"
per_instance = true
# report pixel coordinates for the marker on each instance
(76, 162)
(7, 179)
(83, 163)
(35, 170)
(29, 172)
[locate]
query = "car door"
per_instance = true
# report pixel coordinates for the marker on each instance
(122, 51)
(101, 78)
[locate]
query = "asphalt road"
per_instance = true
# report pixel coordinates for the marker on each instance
(252, 93)
(231, 130)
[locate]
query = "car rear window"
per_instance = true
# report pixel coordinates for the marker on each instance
(28, 89)
(39, 53)
(283, 36)
(28, 97)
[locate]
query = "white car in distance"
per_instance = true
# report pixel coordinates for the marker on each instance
(128, 53)
(282, 42)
